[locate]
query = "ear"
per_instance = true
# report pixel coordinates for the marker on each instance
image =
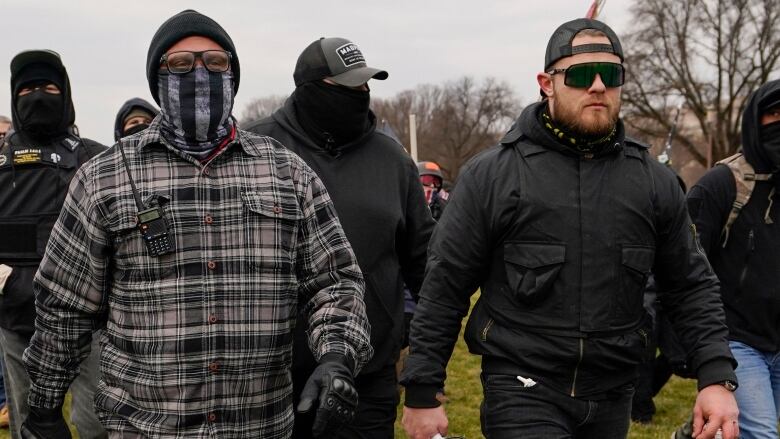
(545, 82)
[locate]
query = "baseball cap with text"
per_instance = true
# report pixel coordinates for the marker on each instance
(336, 58)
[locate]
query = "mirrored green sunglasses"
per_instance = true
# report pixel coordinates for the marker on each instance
(582, 75)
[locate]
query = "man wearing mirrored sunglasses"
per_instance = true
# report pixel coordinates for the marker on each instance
(560, 226)
(196, 244)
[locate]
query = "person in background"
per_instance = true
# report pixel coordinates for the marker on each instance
(134, 116)
(5, 125)
(432, 181)
(736, 209)
(38, 159)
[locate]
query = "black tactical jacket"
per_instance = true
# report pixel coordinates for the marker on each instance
(561, 244)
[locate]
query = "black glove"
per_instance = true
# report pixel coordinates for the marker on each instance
(332, 384)
(44, 423)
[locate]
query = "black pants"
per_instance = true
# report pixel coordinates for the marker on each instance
(510, 410)
(375, 417)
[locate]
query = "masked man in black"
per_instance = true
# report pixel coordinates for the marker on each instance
(134, 116)
(377, 194)
(37, 161)
(736, 208)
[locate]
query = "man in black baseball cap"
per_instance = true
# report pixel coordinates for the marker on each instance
(196, 244)
(375, 188)
(559, 226)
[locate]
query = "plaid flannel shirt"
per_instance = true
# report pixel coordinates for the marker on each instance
(196, 343)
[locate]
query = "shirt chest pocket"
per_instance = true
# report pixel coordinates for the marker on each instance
(271, 223)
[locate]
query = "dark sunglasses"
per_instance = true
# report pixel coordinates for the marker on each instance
(217, 61)
(583, 75)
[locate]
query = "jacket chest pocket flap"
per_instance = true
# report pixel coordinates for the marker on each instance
(637, 261)
(531, 268)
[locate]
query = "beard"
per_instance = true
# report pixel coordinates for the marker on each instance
(596, 125)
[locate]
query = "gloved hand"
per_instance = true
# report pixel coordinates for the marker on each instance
(332, 387)
(44, 423)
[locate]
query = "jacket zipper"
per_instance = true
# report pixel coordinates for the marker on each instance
(577, 368)
(487, 328)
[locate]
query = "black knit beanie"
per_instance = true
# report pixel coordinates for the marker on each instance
(184, 24)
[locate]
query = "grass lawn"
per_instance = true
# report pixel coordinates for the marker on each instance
(464, 391)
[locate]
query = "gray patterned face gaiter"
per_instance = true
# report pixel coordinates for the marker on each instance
(195, 109)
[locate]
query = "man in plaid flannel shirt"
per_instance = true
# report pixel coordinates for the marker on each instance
(197, 341)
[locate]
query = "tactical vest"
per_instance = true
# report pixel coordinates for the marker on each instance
(34, 179)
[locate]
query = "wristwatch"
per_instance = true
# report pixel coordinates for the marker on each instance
(729, 385)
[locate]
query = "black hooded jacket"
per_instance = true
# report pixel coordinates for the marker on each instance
(561, 244)
(377, 194)
(34, 178)
(748, 266)
(125, 110)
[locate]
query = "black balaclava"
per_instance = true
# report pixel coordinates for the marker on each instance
(135, 129)
(758, 146)
(40, 112)
(41, 115)
(769, 138)
(332, 113)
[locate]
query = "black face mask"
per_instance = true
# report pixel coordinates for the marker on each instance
(334, 110)
(40, 113)
(135, 129)
(770, 141)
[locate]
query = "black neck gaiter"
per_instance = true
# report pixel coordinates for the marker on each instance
(770, 142)
(40, 114)
(332, 114)
(135, 129)
(577, 143)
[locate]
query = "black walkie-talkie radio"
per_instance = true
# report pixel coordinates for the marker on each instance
(154, 230)
(151, 221)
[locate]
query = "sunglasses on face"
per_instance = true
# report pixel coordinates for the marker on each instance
(582, 75)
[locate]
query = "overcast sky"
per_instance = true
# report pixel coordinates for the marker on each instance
(103, 43)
